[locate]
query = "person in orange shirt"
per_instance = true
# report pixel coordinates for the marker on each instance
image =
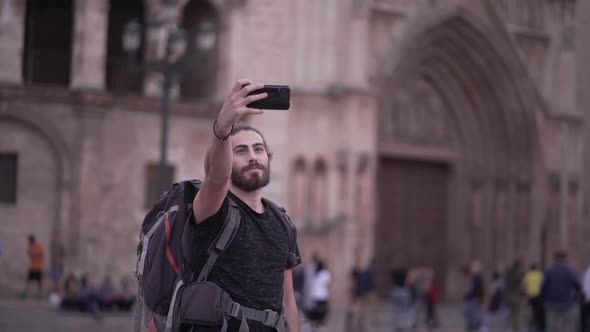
(36, 253)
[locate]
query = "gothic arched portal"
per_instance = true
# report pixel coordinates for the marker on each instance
(458, 153)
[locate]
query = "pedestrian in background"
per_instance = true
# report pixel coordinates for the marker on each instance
(431, 299)
(419, 285)
(496, 309)
(36, 254)
(403, 302)
(559, 291)
(319, 294)
(473, 299)
(56, 254)
(514, 294)
(532, 285)
(363, 297)
(585, 314)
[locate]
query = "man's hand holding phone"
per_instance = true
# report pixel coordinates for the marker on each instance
(278, 98)
(236, 105)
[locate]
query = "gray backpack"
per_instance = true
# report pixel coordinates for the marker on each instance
(170, 297)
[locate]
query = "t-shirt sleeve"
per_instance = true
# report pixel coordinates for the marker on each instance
(215, 221)
(200, 236)
(294, 256)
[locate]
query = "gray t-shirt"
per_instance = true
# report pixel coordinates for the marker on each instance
(251, 269)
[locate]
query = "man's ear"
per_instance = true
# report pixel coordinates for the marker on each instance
(269, 154)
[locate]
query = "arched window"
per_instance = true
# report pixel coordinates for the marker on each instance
(342, 182)
(48, 42)
(318, 198)
(119, 76)
(299, 190)
(202, 27)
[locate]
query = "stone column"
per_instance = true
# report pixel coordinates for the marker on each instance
(583, 103)
(357, 64)
(538, 209)
(458, 241)
(90, 44)
(12, 36)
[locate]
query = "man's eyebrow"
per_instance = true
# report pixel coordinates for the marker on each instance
(240, 146)
(246, 145)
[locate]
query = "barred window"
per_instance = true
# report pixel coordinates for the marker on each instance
(8, 177)
(203, 51)
(48, 42)
(120, 76)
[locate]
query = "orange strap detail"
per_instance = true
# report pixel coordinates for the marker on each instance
(152, 326)
(168, 252)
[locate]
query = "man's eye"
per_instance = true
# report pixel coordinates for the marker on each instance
(240, 151)
(259, 149)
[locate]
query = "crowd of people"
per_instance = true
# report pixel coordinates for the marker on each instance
(555, 297)
(79, 294)
(554, 300)
(74, 293)
(414, 296)
(558, 299)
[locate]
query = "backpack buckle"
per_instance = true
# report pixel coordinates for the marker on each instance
(270, 318)
(234, 309)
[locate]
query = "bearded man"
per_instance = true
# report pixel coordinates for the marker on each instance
(256, 269)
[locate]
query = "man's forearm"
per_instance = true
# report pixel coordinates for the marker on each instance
(292, 315)
(218, 162)
(289, 303)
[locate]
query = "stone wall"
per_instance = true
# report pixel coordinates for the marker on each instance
(500, 111)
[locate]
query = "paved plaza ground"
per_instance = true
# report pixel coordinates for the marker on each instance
(38, 315)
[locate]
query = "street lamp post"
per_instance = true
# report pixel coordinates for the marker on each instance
(171, 66)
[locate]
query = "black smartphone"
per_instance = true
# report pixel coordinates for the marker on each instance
(278, 98)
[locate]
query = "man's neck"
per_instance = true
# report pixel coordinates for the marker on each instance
(253, 198)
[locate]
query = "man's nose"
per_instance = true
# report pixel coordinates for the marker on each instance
(252, 157)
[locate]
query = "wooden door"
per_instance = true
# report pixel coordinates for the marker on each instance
(411, 226)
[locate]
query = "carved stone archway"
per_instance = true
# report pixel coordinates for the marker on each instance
(58, 220)
(456, 97)
(59, 148)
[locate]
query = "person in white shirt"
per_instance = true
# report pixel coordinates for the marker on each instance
(319, 293)
(586, 306)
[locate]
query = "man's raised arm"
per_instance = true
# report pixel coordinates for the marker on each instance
(218, 161)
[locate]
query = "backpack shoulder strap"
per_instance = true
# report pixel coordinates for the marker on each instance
(222, 241)
(191, 187)
(289, 225)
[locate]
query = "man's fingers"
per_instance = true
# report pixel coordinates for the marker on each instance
(239, 84)
(249, 88)
(249, 111)
(254, 98)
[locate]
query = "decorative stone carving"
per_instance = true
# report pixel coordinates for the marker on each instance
(418, 115)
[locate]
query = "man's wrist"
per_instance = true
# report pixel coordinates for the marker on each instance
(220, 130)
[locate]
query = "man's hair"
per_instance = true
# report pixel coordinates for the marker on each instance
(236, 129)
(244, 127)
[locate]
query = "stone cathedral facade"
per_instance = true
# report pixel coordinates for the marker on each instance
(421, 132)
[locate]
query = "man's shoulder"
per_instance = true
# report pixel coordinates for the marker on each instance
(273, 205)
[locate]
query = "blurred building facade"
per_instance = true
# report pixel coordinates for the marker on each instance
(421, 132)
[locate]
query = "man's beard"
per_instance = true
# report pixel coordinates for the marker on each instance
(254, 181)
